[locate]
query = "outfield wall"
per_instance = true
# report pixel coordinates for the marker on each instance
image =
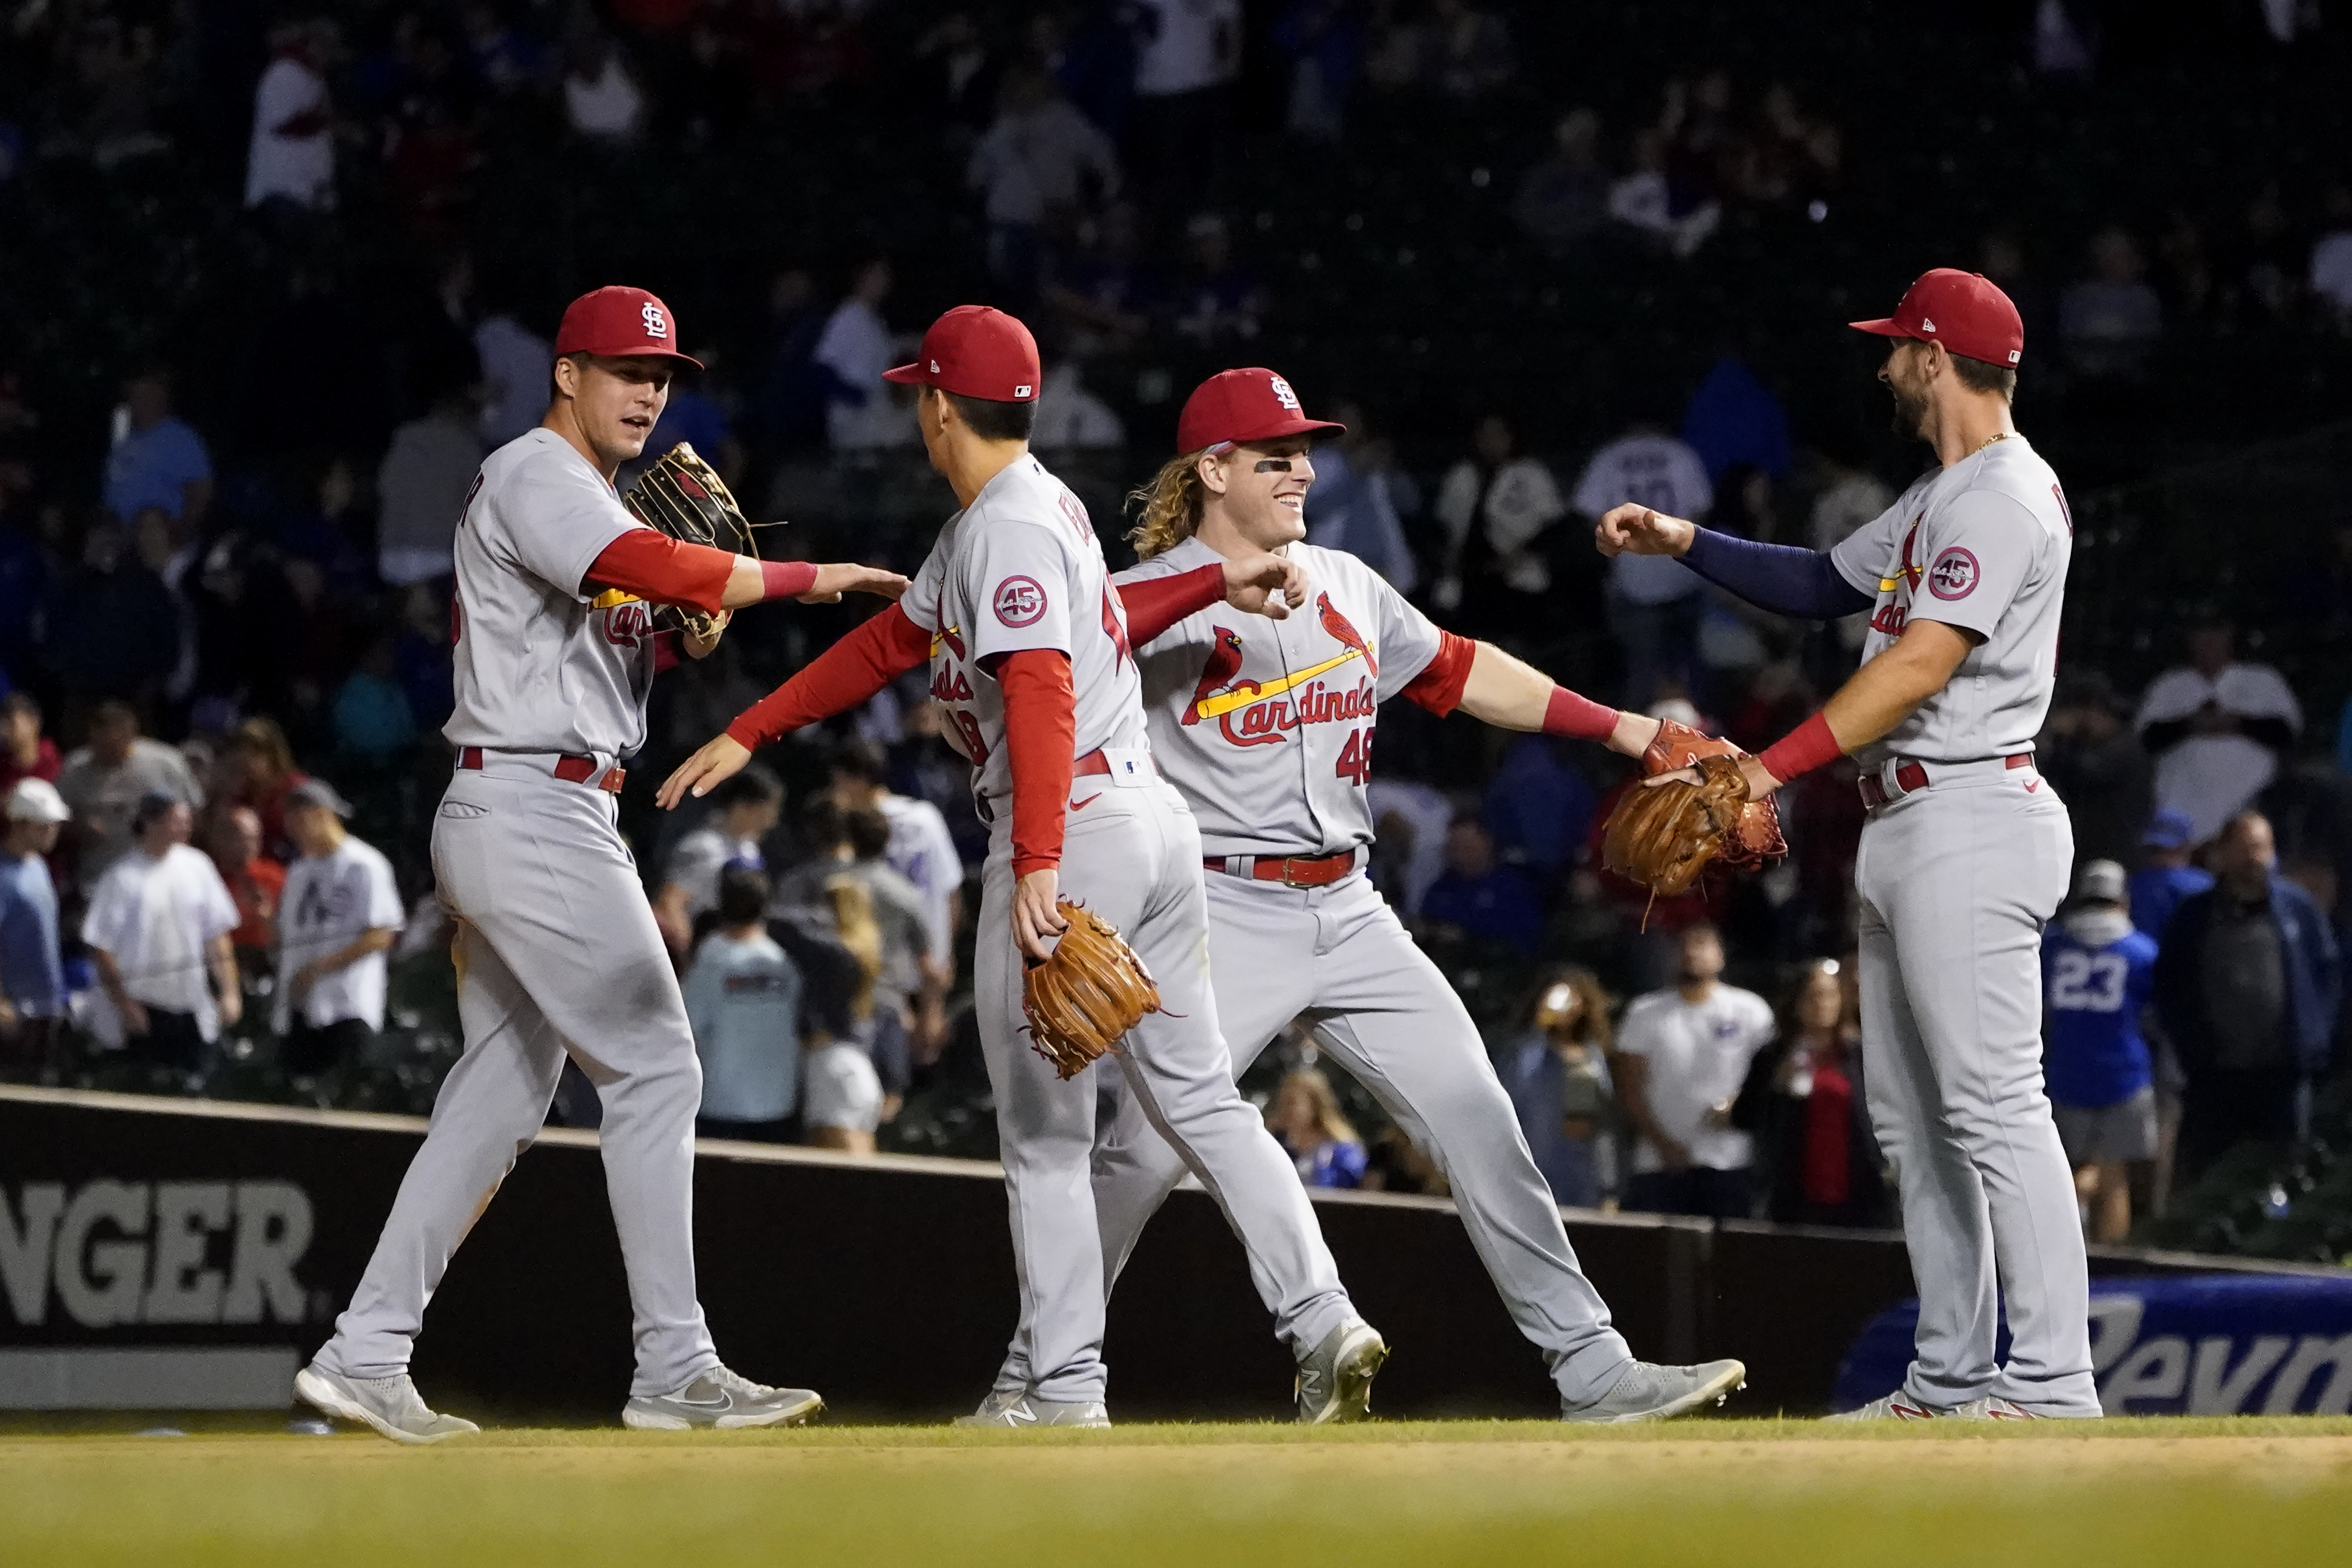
(161, 1253)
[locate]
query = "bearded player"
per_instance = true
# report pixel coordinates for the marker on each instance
(1030, 654)
(1266, 727)
(557, 950)
(1964, 851)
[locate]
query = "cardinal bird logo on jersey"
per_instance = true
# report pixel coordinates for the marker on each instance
(1343, 631)
(1224, 663)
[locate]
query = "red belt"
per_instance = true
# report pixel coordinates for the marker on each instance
(1911, 777)
(570, 769)
(1294, 870)
(1096, 762)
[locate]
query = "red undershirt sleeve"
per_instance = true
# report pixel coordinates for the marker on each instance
(1041, 727)
(880, 650)
(1578, 717)
(1155, 603)
(669, 570)
(1438, 687)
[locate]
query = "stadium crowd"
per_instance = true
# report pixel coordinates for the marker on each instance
(227, 644)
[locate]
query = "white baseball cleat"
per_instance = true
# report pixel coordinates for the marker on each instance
(1895, 1406)
(1016, 1409)
(1647, 1393)
(1335, 1378)
(1992, 1408)
(723, 1399)
(391, 1405)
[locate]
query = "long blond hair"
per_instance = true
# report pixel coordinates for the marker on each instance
(1330, 1119)
(1171, 505)
(861, 933)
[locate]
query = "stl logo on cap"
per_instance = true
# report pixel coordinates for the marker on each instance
(1282, 393)
(656, 323)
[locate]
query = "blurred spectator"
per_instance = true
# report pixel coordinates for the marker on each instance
(696, 415)
(24, 752)
(954, 62)
(256, 883)
(855, 348)
(744, 999)
(743, 811)
(2247, 984)
(31, 976)
(1471, 54)
(2089, 753)
(1653, 600)
(373, 721)
(1732, 419)
(1103, 298)
(1538, 807)
(1306, 1119)
(422, 489)
(1557, 1077)
(843, 1099)
(1564, 200)
(293, 158)
(1070, 418)
(601, 99)
(2098, 975)
(2059, 46)
(518, 365)
(340, 915)
(1035, 164)
(2216, 727)
(2331, 258)
(1217, 302)
(1187, 54)
(256, 769)
(2001, 256)
(156, 459)
(1682, 1056)
(911, 977)
(1802, 1103)
(1645, 201)
(921, 849)
(1352, 507)
(1410, 820)
(104, 782)
(789, 400)
(2110, 320)
(159, 920)
(2266, 261)
(2167, 874)
(1490, 902)
(1496, 505)
(1325, 41)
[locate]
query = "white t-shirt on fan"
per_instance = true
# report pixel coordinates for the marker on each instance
(330, 901)
(1699, 1053)
(156, 916)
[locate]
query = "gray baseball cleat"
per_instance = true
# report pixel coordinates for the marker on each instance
(723, 1399)
(389, 1404)
(1643, 1392)
(1895, 1406)
(1012, 1407)
(1335, 1378)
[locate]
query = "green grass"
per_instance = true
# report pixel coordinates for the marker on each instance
(2219, 1492)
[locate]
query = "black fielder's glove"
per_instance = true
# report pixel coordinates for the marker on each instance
(682, 496)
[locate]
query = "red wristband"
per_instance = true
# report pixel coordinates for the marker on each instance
(1808, 746)
(785, 579)
(1578, 717)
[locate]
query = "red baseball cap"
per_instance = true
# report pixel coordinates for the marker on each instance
(615, 322)
(1234, 406)
(975, 351)
(1965, 312)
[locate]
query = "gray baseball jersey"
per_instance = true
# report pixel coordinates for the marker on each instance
(1955, 880)
(541, 664)
(1982, 545)
(1265, 726)
(1021, 568)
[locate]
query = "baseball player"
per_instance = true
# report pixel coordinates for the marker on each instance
(1266, 728)
(1031, 656)
(2099, 975)
(557, 950)
(1965, 852)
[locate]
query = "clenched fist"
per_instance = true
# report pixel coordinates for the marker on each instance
(1635, 530)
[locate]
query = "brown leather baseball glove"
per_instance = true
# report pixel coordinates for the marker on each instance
(1086, 996)
(682, 496)
(1756, 836)
(1664, 836)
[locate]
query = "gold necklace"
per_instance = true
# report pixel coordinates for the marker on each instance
(1996, 435)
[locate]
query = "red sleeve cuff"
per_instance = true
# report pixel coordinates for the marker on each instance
(1578, 717)
(1808, 746)
(786, 579)
(1155, 603)
(1438, 687)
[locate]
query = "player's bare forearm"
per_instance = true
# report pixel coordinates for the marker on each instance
(1890, 687)
(1035, 922)
(1511, 694)
(750, 582)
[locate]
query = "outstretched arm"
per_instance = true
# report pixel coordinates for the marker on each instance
(1880, 695)
(1785, 579)
(853, 669)
(666, 571)
(1488, 684)
(1260, 584)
